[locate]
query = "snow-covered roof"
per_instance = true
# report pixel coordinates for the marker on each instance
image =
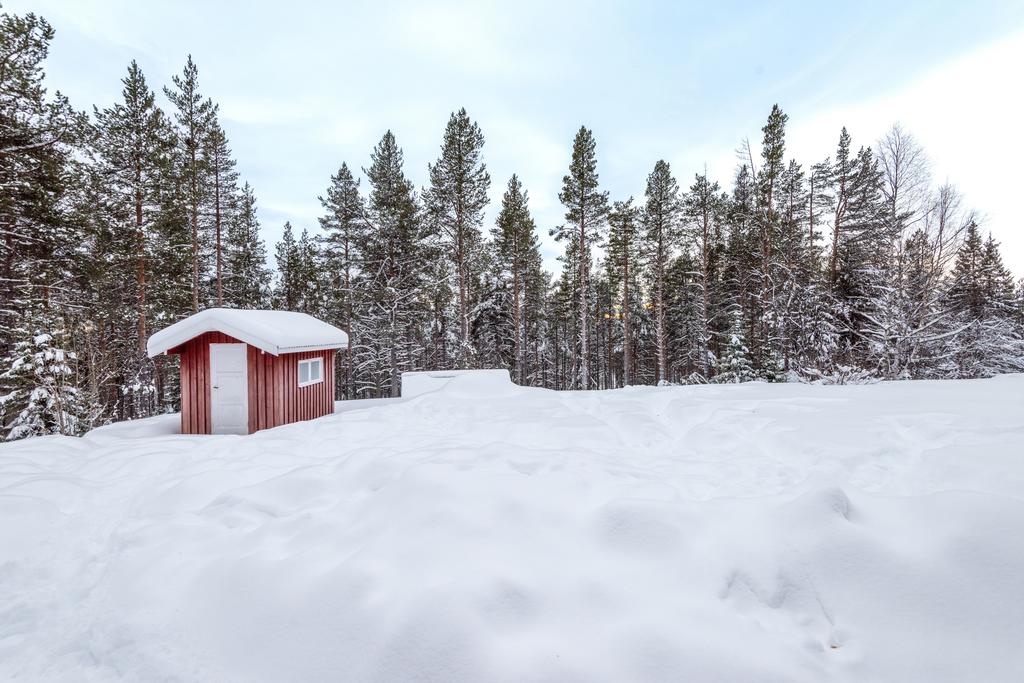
(275, 332)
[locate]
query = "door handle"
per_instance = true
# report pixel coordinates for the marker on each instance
(215, 386)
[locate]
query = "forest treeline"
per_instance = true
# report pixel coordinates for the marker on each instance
(120, 221)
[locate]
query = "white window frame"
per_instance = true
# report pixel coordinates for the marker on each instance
(310, 363)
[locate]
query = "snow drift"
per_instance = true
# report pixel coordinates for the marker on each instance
(750, 532)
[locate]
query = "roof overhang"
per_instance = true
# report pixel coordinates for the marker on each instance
(170, 338)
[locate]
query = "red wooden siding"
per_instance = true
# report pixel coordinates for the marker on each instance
(275, 397)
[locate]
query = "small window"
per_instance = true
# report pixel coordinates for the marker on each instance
(311, 371)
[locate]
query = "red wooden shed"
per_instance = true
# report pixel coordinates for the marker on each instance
(243, 370)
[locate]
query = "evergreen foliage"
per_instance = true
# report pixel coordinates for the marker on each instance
(517, 260)
(346, 224)
(454, 205)
(662, 233)
(586, 212)
(624, 264)
(195, 117)
(43, 398)
(396, 253)
(849, 269)
(246, 276)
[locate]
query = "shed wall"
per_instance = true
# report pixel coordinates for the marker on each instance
(275, 397)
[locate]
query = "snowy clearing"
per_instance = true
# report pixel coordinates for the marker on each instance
(493, 533)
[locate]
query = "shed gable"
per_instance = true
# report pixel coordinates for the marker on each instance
(275, 332)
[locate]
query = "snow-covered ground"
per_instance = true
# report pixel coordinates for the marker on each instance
(488, 533)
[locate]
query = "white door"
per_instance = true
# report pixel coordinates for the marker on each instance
(229, 389)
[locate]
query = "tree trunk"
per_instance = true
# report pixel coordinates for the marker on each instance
(349, 370)
(7, 307)
(517, 353)
(195, 235)
(216, 222)
(460, 257)
(659, 312)
(395, 381)
(584, 272)
(608, 324)
(140, 269)
(144, 407)
(810, 220)
(836, 230)
(627, 332)
(705, 274)
(833, 264)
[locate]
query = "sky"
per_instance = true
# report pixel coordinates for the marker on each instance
(305, 86)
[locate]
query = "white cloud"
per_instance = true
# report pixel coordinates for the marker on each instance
(966, 114)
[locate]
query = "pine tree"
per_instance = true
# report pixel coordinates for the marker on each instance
(683, 321)
(492, 326)
(841, 173)
(345, 224)
(396, 254)
(300, 284)
(44, 398)
(223, 180)
(739, 272)
(563, 308)
(790, 279)
(246, 277)
(194, 116)
(982, 299)
(41, 254)
(607, 339)
(586, 213)
(735, 365)
(773, 148)
(37, 136)
(134, 143)
(815, 339)
(442, 338)
(625, 254)
(1018, 308)
(310, 276)
(662, 232)
(910, 326)
(770, 177)
(1003, 334)
(536, 323)
(916, 322)
(967, 293)
(703, 209)
(819, 203)
(516, 249)
(996, 280)
(455, 204)
(288, 291)
(170, 294)
(864, 251)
